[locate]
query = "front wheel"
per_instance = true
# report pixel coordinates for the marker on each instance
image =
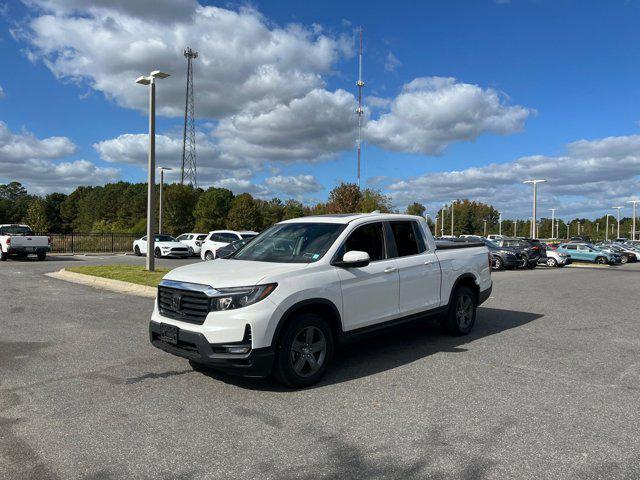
(136, 250)
(209, 256)
(157, 252)
(551, 262)
(461, 316)
(624, 259)
(304, 351)
(497, 264)
(601, 261)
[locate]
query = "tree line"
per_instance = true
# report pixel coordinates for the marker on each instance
(121, 208)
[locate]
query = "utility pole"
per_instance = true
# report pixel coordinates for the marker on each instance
(606, 230)
(618, 208)
(160, 203)
(485, 227)
(553, 216)
(452, 201)
(435, 228)
(442, 221)
(515, 228)
(633, 223)
(151, 166)
(360, 110)
(534, 214)
(188, 170)
(499, 223)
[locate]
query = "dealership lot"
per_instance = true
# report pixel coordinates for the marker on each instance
(546, 386)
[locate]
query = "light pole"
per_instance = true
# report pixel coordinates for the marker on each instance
(484, 228)
(618, 208)
(162, 169)
(500, 223)
(633, 223)
(151, 167)
(435, 228)
(515, 228)
(452, 201)
(606, 232)
(442, 221)
(535, 195)
(553, 217)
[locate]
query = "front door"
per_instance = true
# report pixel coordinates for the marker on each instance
(369, 294)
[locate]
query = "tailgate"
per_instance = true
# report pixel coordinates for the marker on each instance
(29, 241)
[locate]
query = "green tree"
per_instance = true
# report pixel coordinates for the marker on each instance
(53, 203)
(416, 209)
(271, 212)
(345, 198)
(36, 216)
(293, 209)
(371, 200)
(244, 214)
(212, 209)
(179, 204)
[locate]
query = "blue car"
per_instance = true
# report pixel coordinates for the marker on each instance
(586, 252)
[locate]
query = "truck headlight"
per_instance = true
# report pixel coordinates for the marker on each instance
(238, 297)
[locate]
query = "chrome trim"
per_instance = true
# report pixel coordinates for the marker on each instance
(208, 290)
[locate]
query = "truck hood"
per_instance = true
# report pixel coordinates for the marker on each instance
(223, 273)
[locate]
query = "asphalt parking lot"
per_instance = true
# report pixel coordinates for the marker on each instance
(546, 386)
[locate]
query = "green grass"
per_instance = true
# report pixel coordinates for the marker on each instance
(126, 273)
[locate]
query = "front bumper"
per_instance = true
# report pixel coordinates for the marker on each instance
(195, 347)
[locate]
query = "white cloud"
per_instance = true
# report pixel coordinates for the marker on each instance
(16, 147)
(238, 186)
(294, 185)
(311, 128)
(244, 62)
(391, 62)
(1, 92)
(432, 112)
(584, 181)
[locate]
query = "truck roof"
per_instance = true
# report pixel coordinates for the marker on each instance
(344, 218)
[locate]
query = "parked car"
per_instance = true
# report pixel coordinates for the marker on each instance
(164, 246)
(553, 258)
(626, 255)
(285, 301)
(193, 240)
(581, 238)
(503, 257)
(495, 237)
(586, 252)
(530, 254)
(221, 238)
(20, 241)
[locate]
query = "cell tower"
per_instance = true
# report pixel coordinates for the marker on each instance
(359, 110)
(188, 171)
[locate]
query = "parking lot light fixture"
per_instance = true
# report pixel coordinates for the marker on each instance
(618, 231)
(534, 183)
(151, 167)
(633, 223)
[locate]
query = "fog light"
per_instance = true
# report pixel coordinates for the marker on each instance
(239, 349)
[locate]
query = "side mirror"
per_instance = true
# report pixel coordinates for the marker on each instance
(353, 259)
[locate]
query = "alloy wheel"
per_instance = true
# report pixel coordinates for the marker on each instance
(308, 351)
(464, 311)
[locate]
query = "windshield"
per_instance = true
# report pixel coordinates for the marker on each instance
(491, 244)
(248, 236)
(15, 230)
(164, 238)
(291, 243)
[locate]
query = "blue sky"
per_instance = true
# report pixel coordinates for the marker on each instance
(544, 88)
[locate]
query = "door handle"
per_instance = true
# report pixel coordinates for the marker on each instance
(390, 269)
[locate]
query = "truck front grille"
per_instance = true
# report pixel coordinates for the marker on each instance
(183, 305)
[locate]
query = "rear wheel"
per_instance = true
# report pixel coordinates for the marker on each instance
(601, 260)
(532, 265)
(136, 250)
(304, 351)
(497, 263)
(4, 256)
(157, 252)
(461, 316)
(551, 262)
(624, 259)
(209, 256)
(42, 256)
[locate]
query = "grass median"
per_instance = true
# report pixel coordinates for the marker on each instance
(125, 273)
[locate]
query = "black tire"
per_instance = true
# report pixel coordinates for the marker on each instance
(209, 256)
(157, 252)
(461, 317)
(525, 262)
(296, 364)
(624, 259)
(42, 256)
(4, 256)
(497, 263)
(601, 260)
(552, 262)
(136, 250)
(532, 265)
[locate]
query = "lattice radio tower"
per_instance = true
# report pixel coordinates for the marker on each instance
(188, 171)
(359, 110)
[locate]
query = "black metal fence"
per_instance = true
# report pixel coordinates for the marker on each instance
(91, 242)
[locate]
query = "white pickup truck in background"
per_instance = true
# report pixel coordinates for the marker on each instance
(282, 303)
(19, 240)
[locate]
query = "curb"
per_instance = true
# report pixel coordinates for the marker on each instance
(105, 283)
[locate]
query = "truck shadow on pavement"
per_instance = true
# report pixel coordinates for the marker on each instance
(396, 347)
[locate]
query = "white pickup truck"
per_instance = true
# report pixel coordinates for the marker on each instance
(285, 301)
(19, 240)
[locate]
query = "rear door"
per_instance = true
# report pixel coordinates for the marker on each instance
(418, 269)
(370, 294)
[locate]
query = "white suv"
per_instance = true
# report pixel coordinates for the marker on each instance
(222, 238)
(287, 299)
(193, 240)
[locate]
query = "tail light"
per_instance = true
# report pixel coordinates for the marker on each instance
(9, 241)
(49, 240)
